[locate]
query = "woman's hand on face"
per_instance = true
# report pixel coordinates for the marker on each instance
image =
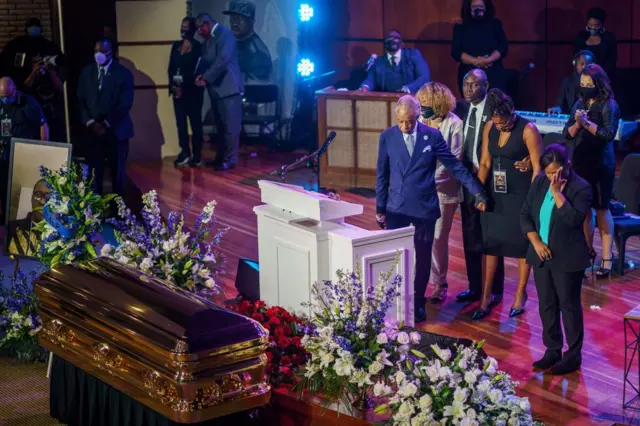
(557, 181)
(542, 250)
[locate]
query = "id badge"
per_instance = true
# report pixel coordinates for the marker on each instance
(6, 127)
(500, 181)
(18, 60)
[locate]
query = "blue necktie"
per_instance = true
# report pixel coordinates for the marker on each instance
(409, 143)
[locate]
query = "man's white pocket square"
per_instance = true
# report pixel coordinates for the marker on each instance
(426, 148)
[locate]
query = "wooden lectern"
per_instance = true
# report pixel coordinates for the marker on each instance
(358, 118)
(303, 240)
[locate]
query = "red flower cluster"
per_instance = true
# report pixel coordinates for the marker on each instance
(286, 352)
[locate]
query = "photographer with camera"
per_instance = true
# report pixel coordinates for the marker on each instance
(36, 65)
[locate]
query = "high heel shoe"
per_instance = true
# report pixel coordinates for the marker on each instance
(517, 312)
(483, 313)
(603, 273)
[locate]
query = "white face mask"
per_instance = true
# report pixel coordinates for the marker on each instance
(101, 58)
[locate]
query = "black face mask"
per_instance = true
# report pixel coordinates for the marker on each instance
(391, 45)
(428, 113)
(187, 35)
(595, 32)
(477, 13)
(589, 92)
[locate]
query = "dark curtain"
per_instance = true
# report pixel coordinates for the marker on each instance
(79, 399)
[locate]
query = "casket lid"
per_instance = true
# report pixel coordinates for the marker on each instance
(126, 301)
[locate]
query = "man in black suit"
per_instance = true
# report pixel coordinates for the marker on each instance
(475, 112)
(219, 72)
(105, 97)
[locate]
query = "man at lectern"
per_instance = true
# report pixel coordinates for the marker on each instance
(400, 69)
(406, 191)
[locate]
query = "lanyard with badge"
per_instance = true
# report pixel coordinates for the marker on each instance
(499, 178)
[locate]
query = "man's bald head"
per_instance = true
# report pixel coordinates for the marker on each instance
(475, 86)
(7, 87)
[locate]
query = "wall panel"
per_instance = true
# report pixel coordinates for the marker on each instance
(422, 19)
(522, 20)
(363, 19)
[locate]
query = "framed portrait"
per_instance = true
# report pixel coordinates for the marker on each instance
(27, 192)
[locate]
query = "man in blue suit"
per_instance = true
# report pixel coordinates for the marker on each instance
(398, 70)
(406, 190)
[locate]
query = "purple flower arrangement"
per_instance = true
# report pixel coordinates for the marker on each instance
(73, 216)
(19, 320)
(169, 251)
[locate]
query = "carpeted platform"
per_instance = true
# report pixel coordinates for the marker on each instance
(24, 394)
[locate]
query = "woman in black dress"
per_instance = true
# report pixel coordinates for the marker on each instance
(596, 39)
(479, 42)
(593, 124)
(507, 139)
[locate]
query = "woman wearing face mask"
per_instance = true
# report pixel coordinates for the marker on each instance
(480, 42)
(438, 104)
(593, 124)
(598, 40)
(187, 97)
(552, 218)
(506, 139)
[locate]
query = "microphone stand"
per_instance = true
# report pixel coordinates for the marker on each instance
(310, 160)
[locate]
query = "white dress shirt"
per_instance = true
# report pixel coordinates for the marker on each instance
(395, 58)
(478, 137)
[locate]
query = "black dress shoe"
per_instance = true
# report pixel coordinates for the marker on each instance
(467, 296)
(225, 166)
(420, 315)
(547, 361)
(565, 367)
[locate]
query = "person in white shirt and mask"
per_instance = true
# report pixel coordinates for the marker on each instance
(437, 104)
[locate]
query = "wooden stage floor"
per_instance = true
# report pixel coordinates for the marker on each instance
(592, 396)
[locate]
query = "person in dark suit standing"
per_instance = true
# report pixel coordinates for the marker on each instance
(219, 72)
(552, 218)
(406, 192)
(400, 69)
(187, 97)
(105, 97)
(475, 112)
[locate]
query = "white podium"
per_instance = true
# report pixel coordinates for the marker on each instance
(302, 239)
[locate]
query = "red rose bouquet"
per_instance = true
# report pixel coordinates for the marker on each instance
(286, 352)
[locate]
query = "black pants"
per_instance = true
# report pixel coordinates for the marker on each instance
(116, 152)
(227, 113)
(423, 242)
(189, 106)
(473, 244)
(559, 292)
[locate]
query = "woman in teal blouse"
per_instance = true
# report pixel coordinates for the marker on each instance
(552, 218)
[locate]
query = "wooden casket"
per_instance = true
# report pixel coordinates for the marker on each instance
(186, 358)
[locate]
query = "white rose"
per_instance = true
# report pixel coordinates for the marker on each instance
(408, 390)
(460, 395)
(496, 397)
(462, 364)
(491, 371)
(380, 389)
(425, 402)
(327, 359)
(471, 414)
(375, 367)
(382, 339)
(403, 338)
(470, 378)
(467, 421)
(415, 337)
(105, 251)
(404, 412)
(210, 284)
(343, 368)
(400, 377)
(525, 405)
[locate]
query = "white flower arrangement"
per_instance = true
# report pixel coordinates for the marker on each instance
(447, 390)
(352, 350)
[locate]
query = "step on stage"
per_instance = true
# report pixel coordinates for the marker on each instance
(591, 396)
